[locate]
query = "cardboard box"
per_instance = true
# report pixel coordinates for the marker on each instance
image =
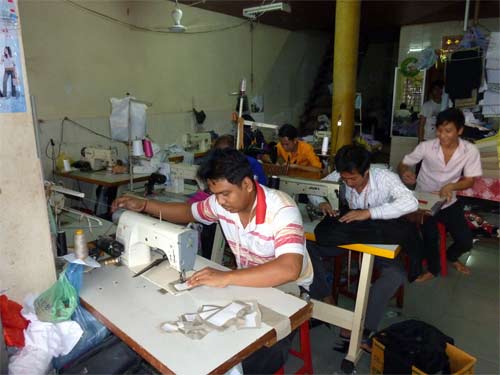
(461, 363)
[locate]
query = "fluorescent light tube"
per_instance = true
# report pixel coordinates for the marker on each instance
(254, 11)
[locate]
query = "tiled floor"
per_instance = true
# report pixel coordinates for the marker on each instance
(463, 307)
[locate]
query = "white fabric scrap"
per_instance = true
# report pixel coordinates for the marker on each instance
(43, 340)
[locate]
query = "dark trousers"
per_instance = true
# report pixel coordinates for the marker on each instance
(269, 360)
(330, 234)
(453, 219)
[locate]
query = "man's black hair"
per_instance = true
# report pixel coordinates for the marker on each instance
(352, 158)
(437, 83)
(288, 131)
(453, 115)
(228, 164)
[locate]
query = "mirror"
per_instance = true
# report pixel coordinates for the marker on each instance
(406, 103)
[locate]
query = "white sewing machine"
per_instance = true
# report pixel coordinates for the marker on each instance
(140, 233)
(99, 158)
(327, 189)
(197, 142)
(179, 172)
(320, 134)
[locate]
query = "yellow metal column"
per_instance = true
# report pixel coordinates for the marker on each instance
(345, 61)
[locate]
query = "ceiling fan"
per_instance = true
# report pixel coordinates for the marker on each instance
(177, 26)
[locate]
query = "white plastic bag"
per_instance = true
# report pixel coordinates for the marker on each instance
(119, 119)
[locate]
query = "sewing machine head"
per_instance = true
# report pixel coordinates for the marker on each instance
(140, 233)
(197, 142)
(294, 186)
(99, 158)
(320, 134)
(177, 173)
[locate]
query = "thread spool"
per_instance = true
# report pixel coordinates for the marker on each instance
(324, 146)
(81, 249)
(61, 245)
(147, 147)
(67, 165)
(137, 148)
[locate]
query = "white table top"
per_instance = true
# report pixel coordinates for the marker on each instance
(136, 309)
(104, 178)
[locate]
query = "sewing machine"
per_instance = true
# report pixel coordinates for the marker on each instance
(197, 142)
(176, 175)
(99, 158)
(140, 233)
(327, 189)
(320, 134)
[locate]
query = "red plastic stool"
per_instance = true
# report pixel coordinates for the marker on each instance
(304, 354)
(442, 249)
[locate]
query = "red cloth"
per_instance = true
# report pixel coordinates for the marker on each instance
(484, 188)
(13, 322)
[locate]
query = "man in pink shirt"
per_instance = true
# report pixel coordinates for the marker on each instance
(449, 164)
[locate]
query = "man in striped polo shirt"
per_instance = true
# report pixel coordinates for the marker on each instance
(262, 226)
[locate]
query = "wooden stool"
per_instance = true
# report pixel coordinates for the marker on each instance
(304, 354)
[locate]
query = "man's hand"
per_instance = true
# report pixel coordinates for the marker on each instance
(409, 178)
(446, 192)
(355, 215)
(327, 209)
(129, 203)
(210, 277)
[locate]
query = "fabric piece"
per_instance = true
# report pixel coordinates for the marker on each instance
(279, 322)
(304, 155)
(275, 229)
(484, 188)
(464, 71)
(240, 314)
(434, 173)
(13, 322)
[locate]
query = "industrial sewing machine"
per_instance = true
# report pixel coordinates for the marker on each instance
(294, 186)
(197, 142)
(140, 233)
(319, 135)
(178, 173)
(99, 158)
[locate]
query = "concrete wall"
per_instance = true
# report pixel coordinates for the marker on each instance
(26, 258)
(84, 60)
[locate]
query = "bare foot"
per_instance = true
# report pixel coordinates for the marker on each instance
(462, 268)
(424, 277)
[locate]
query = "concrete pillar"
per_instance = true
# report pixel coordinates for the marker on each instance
(345, 61)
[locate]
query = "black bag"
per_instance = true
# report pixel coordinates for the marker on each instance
(414, 343)
(112, 356)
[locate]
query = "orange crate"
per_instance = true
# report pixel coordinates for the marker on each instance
(461, 363)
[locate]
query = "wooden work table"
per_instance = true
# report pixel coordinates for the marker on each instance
(134, 309)
(103, 178)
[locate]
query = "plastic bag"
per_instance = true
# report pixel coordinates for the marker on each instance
(94, 332)
(74, 274)
(119, 119)
(57, 303)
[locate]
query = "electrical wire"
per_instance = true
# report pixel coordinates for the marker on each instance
(147, 29)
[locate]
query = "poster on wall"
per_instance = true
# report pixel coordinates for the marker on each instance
(12, 93)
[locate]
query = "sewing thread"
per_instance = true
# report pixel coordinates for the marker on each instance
(81, 249)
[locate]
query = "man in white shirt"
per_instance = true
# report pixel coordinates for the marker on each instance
(375, 199)
(262, 226)
(449, 164)
(429, 111)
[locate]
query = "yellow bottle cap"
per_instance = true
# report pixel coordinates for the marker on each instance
(79, 231)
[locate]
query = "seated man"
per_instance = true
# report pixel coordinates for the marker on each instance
(449, 164)
(297, 153)
(262, 226)
(227, 141)
(376, 200)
